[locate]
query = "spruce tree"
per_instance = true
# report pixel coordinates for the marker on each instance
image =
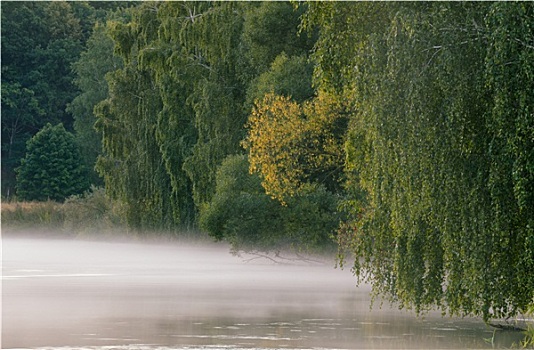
(53, 168)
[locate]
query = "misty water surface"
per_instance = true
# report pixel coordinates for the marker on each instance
(82, 294)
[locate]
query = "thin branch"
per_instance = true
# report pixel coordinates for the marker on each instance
(135, 95)
(278, 258)
(192, 14)
(196, 59)
(507, 327)
(524, 44)
(259, 256)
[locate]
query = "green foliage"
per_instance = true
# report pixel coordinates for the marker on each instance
(217, 95)
(290, 77)
(40, 42)
(510, 126)
(271, 28)
(52, 168)
(90, 212)
(439, 152)
(193, 80)
(20, 112)
(310, 219)
(94, 63)
(242, 214)
(345, 30)
(145, 134)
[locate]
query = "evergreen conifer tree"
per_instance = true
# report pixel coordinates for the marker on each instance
(53, 168)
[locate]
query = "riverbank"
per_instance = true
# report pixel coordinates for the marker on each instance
(92, 214)
(93, 218)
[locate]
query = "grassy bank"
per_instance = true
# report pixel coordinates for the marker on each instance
(23, 215)
(90, 214)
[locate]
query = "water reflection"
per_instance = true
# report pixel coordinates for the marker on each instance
(98, 295)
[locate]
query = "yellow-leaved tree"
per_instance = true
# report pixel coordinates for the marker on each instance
(293, 146)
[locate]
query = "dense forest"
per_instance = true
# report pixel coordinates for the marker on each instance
(400, 134)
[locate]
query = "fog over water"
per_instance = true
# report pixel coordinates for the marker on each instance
(132, 295)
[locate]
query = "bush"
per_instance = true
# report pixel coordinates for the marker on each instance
(240, 212)
(311, 217)
(91, 212)
(243, 215)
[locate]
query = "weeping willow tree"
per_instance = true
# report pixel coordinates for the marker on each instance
(135, 164)
(174, 112)
(440, 160)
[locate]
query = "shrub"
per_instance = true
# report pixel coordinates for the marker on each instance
(242, 214)
(91, 212)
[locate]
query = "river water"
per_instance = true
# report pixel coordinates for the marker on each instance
(130, 295)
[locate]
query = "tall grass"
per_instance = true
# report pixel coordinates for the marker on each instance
(92, 213)
(46, 215)
(88, 213)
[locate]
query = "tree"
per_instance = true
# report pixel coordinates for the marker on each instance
(20, 114)
(217, 93)
(52, 168)
(288, 76)
(437, 170)
(270, 28)
(509, 72)
(27, 91)
(94, 63)
(290, 145)
(145, 132)
(192, 78)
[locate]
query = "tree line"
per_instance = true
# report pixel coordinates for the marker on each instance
(400, 134)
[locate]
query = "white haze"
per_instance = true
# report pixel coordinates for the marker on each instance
(75, 294)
